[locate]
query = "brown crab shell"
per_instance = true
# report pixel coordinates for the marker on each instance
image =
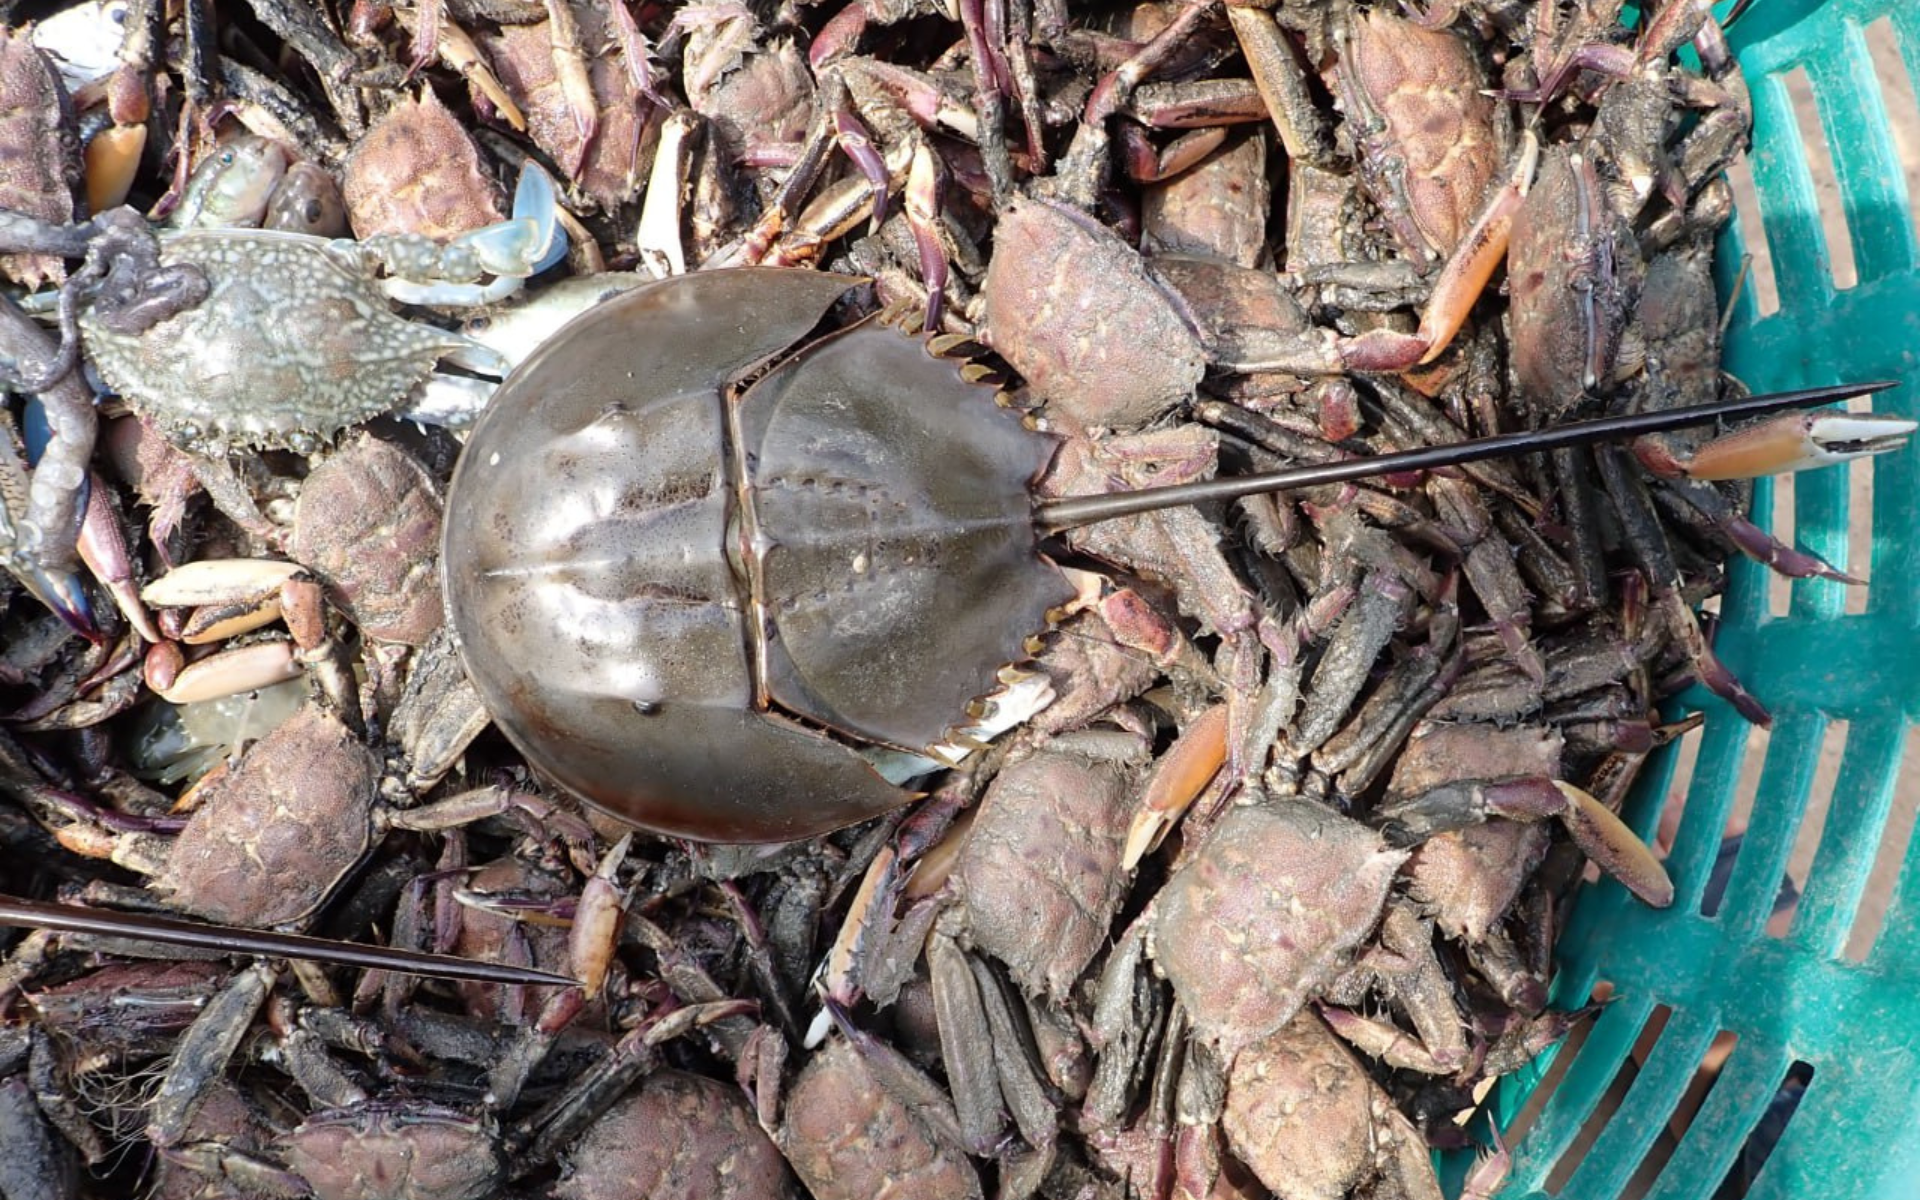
(668, 593)
(292, 344)
(383, 1149)
(610, 164)
(368, 523)
(678, 1137)
(39, 153)
(1272, 907)
(253, 853)
(418, 171)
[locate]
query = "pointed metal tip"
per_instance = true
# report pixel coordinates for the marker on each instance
(231, 940)
(1830, 393)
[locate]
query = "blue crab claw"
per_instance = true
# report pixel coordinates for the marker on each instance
(532, 240)
(510, 251)
(1792, 442)
(535, 199)
(59, 588)
(60, 591)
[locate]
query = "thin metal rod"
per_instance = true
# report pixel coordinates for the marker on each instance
(1055, 515)
(227, 939)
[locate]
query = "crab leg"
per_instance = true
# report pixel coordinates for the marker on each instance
(1580, 508)
(103, 547)
(821, 135)
(570, 68)
(924, 187)
(1282, 81)
(1639, 523)
(850, 134)
(1722, 517)
(1601, 836)
(990, 86)
(1084, 169)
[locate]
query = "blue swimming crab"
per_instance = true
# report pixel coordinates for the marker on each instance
(296, 338)
(231, 338)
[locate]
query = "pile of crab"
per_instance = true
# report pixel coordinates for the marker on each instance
(1260, 890)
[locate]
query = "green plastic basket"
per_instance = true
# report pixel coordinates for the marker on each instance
(1797, 998)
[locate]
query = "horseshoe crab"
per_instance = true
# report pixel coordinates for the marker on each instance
(692, 590)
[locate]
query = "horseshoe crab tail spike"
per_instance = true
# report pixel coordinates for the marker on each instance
(224, 939)
(1055, 515)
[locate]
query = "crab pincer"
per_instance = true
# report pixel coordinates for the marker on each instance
(1791, 442)
(530, 241)
(54, 585)
(1601, 836)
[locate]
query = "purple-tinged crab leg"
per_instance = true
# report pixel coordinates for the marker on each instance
(226, 939)
(103, 547)
(426, 35)
(1697, 501)
(1639, 525)
(850, 134)
(1018, 54)
(924, 179)
(636, 53)
(990, 86)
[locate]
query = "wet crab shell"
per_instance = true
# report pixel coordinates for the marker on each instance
(679, 599)
(292, 344)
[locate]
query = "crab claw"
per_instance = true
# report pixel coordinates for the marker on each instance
(1792, 442)
(60, 591)
(528, 243)
(510, 251)
(22, 547)
(1600, 835)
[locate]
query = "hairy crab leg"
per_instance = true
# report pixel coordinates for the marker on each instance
(72, 918)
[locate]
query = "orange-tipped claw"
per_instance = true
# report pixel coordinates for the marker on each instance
(1179, 778)
(1792, 442)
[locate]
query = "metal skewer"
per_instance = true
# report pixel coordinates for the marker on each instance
(228, 939)
(1055, 515)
